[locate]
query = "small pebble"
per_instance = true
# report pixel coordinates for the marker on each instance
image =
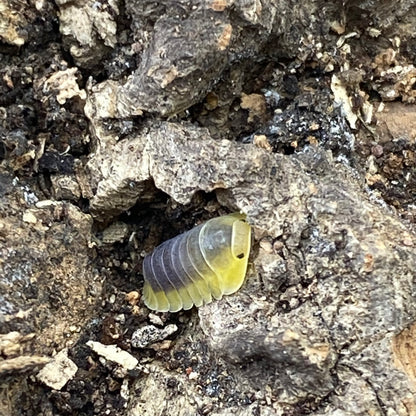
(277, 246)
(162, 346)
(262, 142)
(193, 375)
(155, 319)
(29, 217)
(377, 150)
(150, 334)
(133, 297)
(266, 245)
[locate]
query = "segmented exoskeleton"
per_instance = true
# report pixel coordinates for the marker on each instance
(192, 268)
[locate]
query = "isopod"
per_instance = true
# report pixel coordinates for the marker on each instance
(198, 266)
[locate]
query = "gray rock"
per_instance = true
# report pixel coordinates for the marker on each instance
(339, 247)
(149, 334)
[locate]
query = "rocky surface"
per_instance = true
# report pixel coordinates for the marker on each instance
(123, 124)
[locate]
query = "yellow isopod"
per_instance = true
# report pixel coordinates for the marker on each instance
(192, 268)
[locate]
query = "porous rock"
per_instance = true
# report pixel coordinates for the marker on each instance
(36, 297)
(175, 150)
(339, 250)
(147, 403)
(89, 29)
(64, 85)
(48, 286)
(187, 51)
(22, 364)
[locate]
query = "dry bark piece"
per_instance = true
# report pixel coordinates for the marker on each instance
(188, 50)
(343, 101)
(133, 297)
(22, 364)
(260, 140)
(219, 5)
(162, 81)
(12, 344)
(123, 172)
(398, 121)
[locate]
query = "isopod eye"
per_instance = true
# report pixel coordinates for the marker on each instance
(221, 240)
(203, 263)
(240, 241)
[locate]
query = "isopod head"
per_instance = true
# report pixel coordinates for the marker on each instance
(192, 268)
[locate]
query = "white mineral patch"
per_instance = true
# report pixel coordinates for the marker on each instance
(115, 354)
(59, 371)
(65, 85)
(341, 99)
(29, 217)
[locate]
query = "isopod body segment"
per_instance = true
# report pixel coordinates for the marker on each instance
(198, 266)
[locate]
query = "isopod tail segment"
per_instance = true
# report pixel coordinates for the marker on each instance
(198, 266)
